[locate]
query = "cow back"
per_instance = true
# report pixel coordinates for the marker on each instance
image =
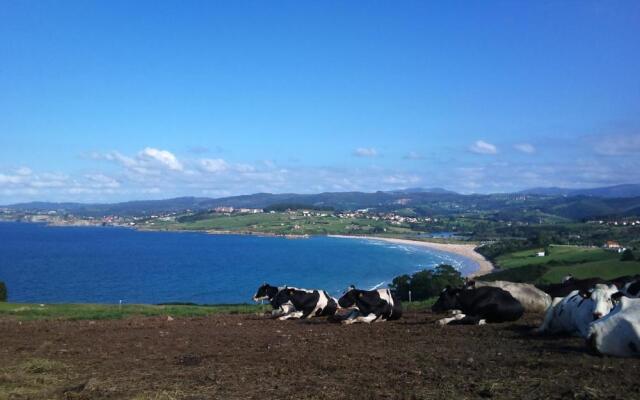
(531, 298)
(491, 303)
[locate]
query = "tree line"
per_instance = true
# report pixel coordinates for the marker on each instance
(427, 283)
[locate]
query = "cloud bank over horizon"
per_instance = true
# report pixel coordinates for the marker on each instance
(154, 173)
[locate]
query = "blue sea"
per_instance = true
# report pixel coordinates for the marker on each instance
(45, 264)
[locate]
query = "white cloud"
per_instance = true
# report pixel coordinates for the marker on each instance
(102, 181)
(525, 148)
(9, 179)
(613, 145)
(164, 157)
(214, 165)
(149, 161)
(24, 171)
(413, 155)
(482, 147)
(401, 179)
(365, 152)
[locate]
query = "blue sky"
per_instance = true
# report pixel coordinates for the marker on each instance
(120, 100)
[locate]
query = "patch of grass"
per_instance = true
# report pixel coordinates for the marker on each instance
(31, 379)
(162, 395)
(110, 311)
(608, 269)
(528, 273)
(419, 305)
(559, 255)
(40, 366)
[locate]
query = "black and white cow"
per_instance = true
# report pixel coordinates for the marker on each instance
(531, 298)
(573, 313)
(623, 281)
(478, 305)
(631, 289)
(371, 305)
(307, 303)
(270, 293)
(568, 285)
(618, 333)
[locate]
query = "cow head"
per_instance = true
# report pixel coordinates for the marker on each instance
(604, 298)
(349, 297)
(448, 300)
(265, 292)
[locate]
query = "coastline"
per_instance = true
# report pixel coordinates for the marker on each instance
(465, 250)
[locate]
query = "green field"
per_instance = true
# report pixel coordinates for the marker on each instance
(581, 262)
(112, 311)
(558, 255)
(601, 269)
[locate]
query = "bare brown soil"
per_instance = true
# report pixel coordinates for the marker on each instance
(250, 357)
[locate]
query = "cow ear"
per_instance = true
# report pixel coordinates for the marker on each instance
(617, 296)
(584, 294)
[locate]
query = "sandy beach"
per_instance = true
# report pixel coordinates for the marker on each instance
(464, 250)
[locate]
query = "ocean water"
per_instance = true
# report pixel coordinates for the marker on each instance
(105, 265)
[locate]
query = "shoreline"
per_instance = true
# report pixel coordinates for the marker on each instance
(465, 250)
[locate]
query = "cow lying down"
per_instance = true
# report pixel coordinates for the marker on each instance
(306, 303)
(618, 334)
(270, 293)
(531, 298)
(573, 314)
(371, 305)
(477, 306)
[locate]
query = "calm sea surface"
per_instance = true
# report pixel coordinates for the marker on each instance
(105, 265)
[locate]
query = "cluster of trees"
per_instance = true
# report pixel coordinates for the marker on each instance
(3, 292)
(492, 250)
(627, 255)
(426, 283)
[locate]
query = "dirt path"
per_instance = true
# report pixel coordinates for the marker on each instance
(248, 357)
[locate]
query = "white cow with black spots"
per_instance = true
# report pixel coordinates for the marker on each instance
(573, 314)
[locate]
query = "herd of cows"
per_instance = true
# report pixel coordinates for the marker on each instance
(605, 313)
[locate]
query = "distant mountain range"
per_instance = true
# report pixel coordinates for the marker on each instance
(628, 190)
(620, 200)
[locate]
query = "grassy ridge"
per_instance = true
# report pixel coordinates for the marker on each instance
(280, 224)
(110, 311)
